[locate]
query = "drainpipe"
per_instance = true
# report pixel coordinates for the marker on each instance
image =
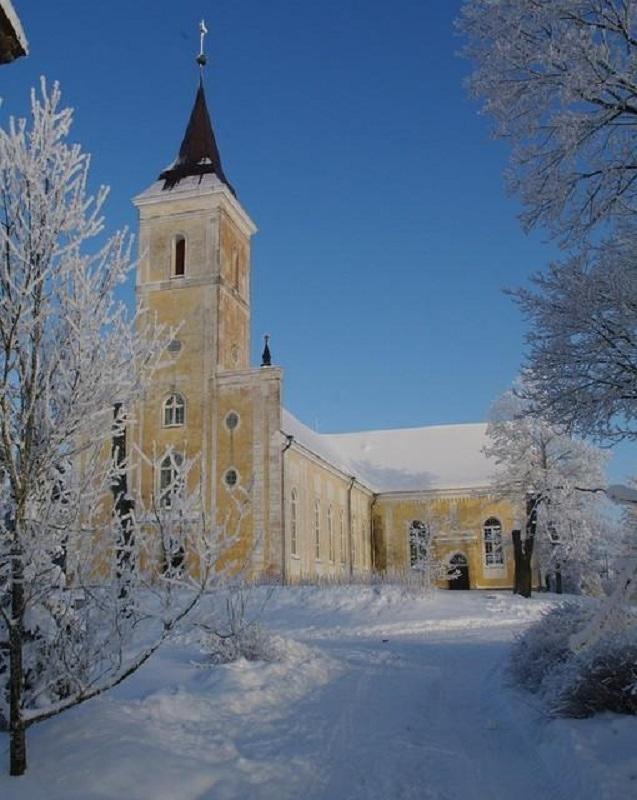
(372, 537)
(352, 481)
(289, 440)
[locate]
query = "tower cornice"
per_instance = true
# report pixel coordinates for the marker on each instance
(207, 192)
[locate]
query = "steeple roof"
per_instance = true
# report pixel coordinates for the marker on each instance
(198, 154)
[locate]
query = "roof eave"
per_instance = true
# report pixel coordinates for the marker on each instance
(13, 41)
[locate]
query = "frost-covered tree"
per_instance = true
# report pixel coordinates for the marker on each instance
(423, 561)
(582, 340)
(90, 581)
(615, 613)
(558, 78)
(560, 476)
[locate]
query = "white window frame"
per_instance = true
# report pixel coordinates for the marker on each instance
(492, 545)
(174, 404)
(167, 475)
(363, 543)
(294, 508)
(330, 534)
(353, 539)
(317, 529)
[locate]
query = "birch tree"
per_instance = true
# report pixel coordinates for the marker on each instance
(86, 591)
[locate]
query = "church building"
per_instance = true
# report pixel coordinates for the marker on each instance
(318, 506)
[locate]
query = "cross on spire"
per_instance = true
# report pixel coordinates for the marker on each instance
(198, 154)
(201, 58)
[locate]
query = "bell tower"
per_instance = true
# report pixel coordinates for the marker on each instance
(193, 274)
(194, 243)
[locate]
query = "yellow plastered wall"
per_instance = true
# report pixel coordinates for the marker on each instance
(457, 522)
(234, 296)
(324, 495)
(253, 450)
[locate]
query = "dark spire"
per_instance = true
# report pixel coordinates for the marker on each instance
(266, 358)
(198, 154)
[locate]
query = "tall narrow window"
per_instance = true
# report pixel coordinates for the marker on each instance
(170, 479)
(174, 411)
(235, 269)
(363, 544)
(493, 553)
(352, 537)
(293, 523)
(418, 540)
(342, 536)
(317, 528)
(330, 534)
(180, 256)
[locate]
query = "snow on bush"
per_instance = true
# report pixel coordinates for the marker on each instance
(545, 644)
(241, 634)
(252, 642)
(602, 677)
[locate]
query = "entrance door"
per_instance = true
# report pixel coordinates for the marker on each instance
(459, 565)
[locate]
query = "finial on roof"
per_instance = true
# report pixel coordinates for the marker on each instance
(266, 358)
(201, 58)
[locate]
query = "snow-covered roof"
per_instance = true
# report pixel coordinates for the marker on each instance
(13, 42)
(405, 459)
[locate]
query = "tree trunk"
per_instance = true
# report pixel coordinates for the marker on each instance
(523, 550)
(522, 553)
(17, 728)
(517, 560)
(123, 508)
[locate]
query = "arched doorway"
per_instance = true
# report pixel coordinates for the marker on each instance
(458, 563)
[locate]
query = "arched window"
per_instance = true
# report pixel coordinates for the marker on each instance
(317, 528)
(342, 536)
(293, 523)
(330, 534)
(493, 553)
(418, 541)
(179, 261)
(170, 479)
(174, 411)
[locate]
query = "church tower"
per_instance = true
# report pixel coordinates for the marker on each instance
(193, 273)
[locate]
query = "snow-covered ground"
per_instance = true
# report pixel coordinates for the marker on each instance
(382, 695)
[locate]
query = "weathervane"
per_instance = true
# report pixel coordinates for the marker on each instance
(201, 58)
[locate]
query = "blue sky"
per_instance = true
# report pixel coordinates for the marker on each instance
(385, 233)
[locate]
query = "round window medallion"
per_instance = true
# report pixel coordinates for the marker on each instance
(232, 420)
(231, 478)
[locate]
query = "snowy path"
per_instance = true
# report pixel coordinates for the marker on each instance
(417, 714)
(387, 697)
